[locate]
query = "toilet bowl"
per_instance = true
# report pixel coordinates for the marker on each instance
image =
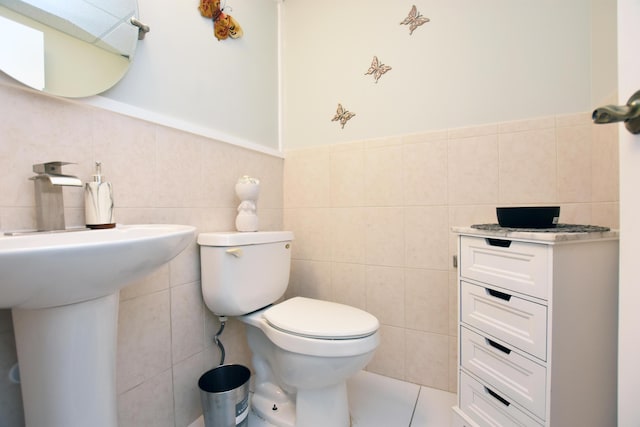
(305, 370)
(303, 349)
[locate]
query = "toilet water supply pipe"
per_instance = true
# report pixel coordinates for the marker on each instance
(223, 321)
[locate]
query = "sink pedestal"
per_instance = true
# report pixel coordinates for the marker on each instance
(67, 358)
(63, 289)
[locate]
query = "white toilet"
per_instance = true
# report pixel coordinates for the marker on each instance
(304, 350)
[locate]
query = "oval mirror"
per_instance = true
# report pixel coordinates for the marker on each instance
(71, 48)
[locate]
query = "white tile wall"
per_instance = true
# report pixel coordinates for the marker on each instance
(372, 220)
(159, 175)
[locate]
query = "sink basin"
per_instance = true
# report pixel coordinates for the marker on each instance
(51, 269)
(62, 289)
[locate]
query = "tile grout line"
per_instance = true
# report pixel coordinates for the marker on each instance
(415, 406)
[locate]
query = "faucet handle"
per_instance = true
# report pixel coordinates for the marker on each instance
(52, 171)
(50, 167)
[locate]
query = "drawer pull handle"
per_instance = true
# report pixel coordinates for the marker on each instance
(498, 242)
(499, 294)
(493, 394)
(498, 346)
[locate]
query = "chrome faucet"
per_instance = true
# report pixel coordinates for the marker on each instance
(49, 202)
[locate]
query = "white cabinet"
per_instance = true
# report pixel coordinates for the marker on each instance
(537, 329)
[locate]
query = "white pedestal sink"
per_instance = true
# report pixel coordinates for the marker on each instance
(63, 292)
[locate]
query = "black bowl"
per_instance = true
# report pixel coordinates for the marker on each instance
(528, 216)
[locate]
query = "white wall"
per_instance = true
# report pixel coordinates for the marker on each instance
(475, 62)
(224, 89)
(604, 55)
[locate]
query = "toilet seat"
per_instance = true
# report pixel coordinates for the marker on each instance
(319, 319)
(338, 343)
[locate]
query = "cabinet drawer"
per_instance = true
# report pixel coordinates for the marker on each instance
(516, 377)
(516, 321)
(517, 266)
(460, 419)
(488, 408)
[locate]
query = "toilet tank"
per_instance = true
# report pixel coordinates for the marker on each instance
(243, 272)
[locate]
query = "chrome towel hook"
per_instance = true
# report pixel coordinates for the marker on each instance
(629, 114)
(142, 29)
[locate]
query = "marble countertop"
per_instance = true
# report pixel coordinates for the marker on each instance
(562, 233)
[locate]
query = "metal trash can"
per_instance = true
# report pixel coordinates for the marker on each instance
(224, 393)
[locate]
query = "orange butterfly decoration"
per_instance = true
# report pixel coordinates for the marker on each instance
(414, 20)
(224, 25)
(342, 115)
(377, 68)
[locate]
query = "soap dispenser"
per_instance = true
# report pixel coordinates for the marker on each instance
(98, 202)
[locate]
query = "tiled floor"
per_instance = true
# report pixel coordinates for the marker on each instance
(378, 401)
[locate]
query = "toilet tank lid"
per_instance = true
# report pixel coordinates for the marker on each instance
(237, 238)
(321, 319)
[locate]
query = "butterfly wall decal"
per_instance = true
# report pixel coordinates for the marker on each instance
(224, 25)
(342, 115)
(414, 19)
(377, 68)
